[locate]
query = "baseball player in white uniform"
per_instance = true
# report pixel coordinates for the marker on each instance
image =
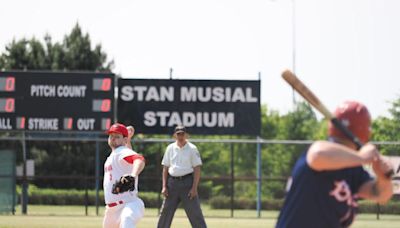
(124, 209)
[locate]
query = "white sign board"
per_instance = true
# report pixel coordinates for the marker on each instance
(396, 186)
(395, 160)
(30, 168)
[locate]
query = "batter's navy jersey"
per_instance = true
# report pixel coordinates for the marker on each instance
(321, 199)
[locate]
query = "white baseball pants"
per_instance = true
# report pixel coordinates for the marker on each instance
(125, 215)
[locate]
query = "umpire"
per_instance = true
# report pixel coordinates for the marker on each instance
(180, 179)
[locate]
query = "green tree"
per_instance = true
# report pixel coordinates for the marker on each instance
(74, 53)
(300, 124)
(388, 129)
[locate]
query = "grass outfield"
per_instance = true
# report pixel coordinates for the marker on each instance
(73, 217)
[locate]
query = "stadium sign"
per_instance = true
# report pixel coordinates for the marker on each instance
(204, 106)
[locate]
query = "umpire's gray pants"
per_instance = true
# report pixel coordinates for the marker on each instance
(178, 191)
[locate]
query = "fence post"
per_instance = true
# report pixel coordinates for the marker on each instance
(258, 177)
(159, 171)
(86, 196)
(24, 200)
(378, 206)
(97, 173)
(232, 180)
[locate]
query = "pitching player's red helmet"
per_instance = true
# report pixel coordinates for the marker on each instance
(355, 116)
(119, 129)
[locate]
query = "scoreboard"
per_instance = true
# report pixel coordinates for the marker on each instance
(56, 101)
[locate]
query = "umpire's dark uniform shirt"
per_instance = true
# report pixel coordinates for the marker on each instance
(321, 199)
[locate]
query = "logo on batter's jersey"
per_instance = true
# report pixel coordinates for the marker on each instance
(342, 193)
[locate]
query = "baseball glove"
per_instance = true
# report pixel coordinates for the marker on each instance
(125, 183)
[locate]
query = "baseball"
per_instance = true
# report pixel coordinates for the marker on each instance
(131, 130)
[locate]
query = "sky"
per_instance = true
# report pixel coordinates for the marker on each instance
(342, 49)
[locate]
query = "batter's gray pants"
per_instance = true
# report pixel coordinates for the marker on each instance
(178, 190)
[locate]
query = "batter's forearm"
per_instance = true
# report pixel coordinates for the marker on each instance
(324, 155)
(383, 190)
(379, 190)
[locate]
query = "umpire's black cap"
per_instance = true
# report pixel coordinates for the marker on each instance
(179, 129)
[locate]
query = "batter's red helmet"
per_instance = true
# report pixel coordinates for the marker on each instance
(355, 116)
(119, 129)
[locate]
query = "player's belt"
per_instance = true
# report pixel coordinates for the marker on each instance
(182, 177)
(115, 203)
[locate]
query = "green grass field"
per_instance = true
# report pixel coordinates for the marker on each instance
(74, 217)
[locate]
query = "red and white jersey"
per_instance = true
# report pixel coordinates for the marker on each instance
(114, 168)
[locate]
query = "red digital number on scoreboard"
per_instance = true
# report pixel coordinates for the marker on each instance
(7, 84)
(106, 84)
(101, 105)
(105, 105)
(10, 105)
(102, 84)
(10, 84)
(7, 105)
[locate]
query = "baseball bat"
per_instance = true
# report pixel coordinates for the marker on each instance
(310, 97)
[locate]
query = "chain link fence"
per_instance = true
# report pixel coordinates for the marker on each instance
(237, 173)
